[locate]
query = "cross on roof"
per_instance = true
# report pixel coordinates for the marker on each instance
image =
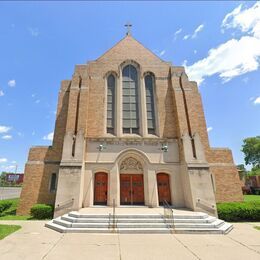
(128, 26)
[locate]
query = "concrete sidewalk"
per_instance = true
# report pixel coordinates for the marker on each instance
(34, 241)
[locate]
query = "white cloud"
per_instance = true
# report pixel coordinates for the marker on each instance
(245, 80)
(1, 93)
(228, 60)
(20, 134)
(195, 33)
(34, 31)
(236, 56)
(195, 51)
(246, 20)
(11, 83)
(14, 162)
(37, 101)
(257, 101)
(4, 129)
(33, 95)
(178, 31)
(176, 34)
(209, 129)
(197, 30)
(48, 137)
(7, 137)
(3, 160)
(162, 52)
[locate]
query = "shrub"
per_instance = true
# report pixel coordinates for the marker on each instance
(239, 211)
(4, 205)
(42, 211)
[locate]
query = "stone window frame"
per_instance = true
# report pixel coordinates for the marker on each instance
(136, 98)
(156, 116)
(115, 133)
(142, 112)
(140, 99)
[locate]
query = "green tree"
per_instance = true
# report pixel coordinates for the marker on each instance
(251, 150)
(242, 171)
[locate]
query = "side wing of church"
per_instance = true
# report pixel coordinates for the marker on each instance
(130, 130)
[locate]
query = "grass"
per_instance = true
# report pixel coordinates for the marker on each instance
(251, 198)
(6, 230)
(15, 217)
(257, 227)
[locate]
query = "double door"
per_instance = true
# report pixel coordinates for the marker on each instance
(131, 189)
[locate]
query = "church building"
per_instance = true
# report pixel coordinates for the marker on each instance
(130, 130)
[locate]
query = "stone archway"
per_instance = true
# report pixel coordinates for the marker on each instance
(131, 182)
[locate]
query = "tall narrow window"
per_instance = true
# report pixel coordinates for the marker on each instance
(130, 100)
(53, 183)
(149, 91)
(111, 104)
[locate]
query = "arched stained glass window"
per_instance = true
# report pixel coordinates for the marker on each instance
(149, 92)
(130, 100)
(111, 82)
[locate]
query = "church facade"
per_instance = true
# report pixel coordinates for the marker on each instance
(130, 130)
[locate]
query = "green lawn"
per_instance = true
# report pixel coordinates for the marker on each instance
(257, 227)
(6, 230)
(251, 197)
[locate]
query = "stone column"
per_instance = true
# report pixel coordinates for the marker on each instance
(88, 195)
(152, 189)
(114, 187)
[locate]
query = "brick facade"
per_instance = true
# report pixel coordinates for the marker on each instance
(82, 111)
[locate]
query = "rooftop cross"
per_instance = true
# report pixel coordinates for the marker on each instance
(128, 26)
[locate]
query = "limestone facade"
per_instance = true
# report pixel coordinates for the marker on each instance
(199, 176)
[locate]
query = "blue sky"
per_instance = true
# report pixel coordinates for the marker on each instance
(42, 41)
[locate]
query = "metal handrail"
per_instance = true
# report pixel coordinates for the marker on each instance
(65, 204)
(168, 215)
(206, 206)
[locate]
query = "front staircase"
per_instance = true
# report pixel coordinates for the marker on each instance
(156, 223)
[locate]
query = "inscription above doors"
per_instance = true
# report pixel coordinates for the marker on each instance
(131, 189)
(100, 189)
(163, 184)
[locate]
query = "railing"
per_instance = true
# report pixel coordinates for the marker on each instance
(112, 218)
(168, 215)
(64, 204)
(206, 206)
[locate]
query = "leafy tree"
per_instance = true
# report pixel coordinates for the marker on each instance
(242, 171)
(251, 150)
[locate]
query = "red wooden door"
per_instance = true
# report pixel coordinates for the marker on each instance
(100, 190)
(163, 184)
(131, 189)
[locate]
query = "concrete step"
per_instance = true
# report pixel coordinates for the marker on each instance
(68, 218)
(199, 223)
(68, 224)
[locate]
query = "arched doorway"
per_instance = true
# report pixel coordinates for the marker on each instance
(131, 182)
(100, 188)
(164, 191)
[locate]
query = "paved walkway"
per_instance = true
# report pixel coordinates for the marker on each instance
(36, 242)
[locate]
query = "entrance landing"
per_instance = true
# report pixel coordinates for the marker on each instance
(134, 210)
